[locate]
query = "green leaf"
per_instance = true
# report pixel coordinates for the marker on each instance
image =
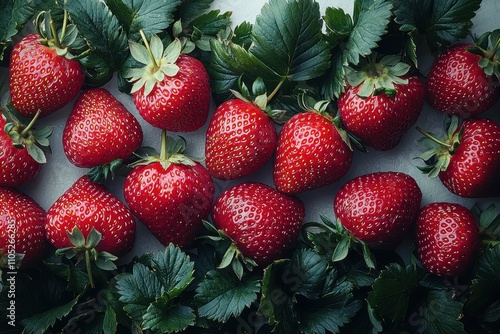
(391, 291)
(211, 23)
(333, 84)
(308, 272)
(441, 314)
(109, 322)
(287, 37)
(163, 319)
(370, 26)
(191, 9)
(41, 322)
(222, 295)
(338, 25)
(14, 14)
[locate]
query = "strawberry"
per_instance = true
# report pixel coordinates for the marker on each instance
(467, 160)
(378, 208)
(87, 205)
(263, 223)
(381, 103)
(240, 139)
(21, 153)
(172, 90)
(22, 227)
(41, 76)
(312, 152)
(461, 80)
(170, 193)
(100, 130)
(447, 238)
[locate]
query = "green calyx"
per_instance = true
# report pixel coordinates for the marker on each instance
(158, 62)
(489, 224)
(439, 151)
(61, 39)
(378, 77)
(171, 152)
(488, 47)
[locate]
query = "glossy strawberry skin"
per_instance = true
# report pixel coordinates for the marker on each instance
(180, 103)
(379, 208)
(263, 222)
(22, 226)
(172, 203)
(447, 238)
(310, 154)
(457, 84)
(240, 139)
(100, 130)
(473, 168)
(16, 164)
(381, 121)
(88, 205)
(40, 79)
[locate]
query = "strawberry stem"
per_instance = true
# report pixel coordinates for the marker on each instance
(53, 29)
(428, 135)
(276, 90)
(88, 266)
(146, 44)
(31, 123)
(65, 22)
(163, 147)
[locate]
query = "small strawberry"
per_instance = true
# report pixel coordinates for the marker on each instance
(42, 74)
(170, 193)
(21, 149)
(464, 79)
(240, 139)
(263, 222)
(312, 152)
(172, 90)
(378, 208)
(447, 238)
(381, 103)
(22, 228)
(87, 205)
(467, 160)
(100, 131)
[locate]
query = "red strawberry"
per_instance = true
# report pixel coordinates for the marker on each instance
(21, 153)
(240, 139)
(263, 222)
(100, 130)
(40, 78)
(22, 227)
(380, 107)
(447, 238)
(170, 194)
(312, 152)
(458, 85)
(88, 205)
(378, 208)
(172, 91)
(467, 160)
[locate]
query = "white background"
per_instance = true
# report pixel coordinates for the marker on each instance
(58, 174)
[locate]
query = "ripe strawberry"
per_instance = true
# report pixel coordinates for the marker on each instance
(41, 79)
(22, 227)
(458, 84)
(88, 205)
(172, 90)
(100, 130)
(447, 238)
(467, 161)
(240, 139)
(170, 194)
(263, 222)
(378, 208)
(381, 103)
(312, 152)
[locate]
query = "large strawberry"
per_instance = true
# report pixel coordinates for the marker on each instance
(447, 238)
(21, 153)
(312, 152)
(464, 79)
(42, 76)
(240, 139)
(172, 90)
(467, 159)
(87, 205)
(381, 102)
(22, 228)
(378, 208)
(263, 223)
(170, 193)
(100, 131)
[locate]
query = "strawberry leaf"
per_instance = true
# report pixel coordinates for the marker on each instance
(441, 314)
(173, 320)
(14, 14)
(191, 9)
(309, 273)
